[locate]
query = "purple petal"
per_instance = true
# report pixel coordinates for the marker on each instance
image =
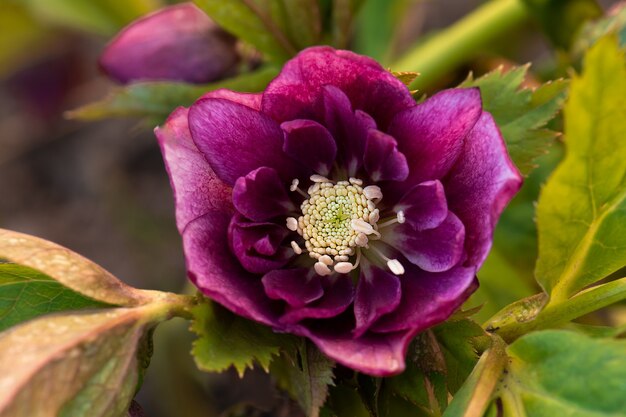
(480, 185)
(218, 273)
(377, 293)
(252, 100)
(309, 143)
(294, 94)
(236, 139)
(424, 206)
(382, 160)
(433, 250)
(338, 296)
(258, 245)
(428, 298)
(261, 195)
(431, 134)
(298, 287)
(196, 187)
(175, 43)
(373, 354)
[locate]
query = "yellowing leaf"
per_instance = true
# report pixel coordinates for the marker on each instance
(581, 214)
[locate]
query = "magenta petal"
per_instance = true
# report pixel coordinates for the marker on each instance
(424, 206)
(338, 296)
(218, 274)
(377, 293)
(175, 43)
(431, 134)
(433, 250)
(261, 195)
(258, 245)
(382, 160)
(298, 287)
(373, 354)
(236, 139)
(309, 143)
(480, 185)
(196, 187)
(252, 100)
(428, 298)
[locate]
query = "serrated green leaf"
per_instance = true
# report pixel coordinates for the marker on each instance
(75, 364)
(555, 373)
(156, 100)
(306, 374)
(581, 213)
(613, 22)
(257, 22)
(225, 340)
(521, 113)
(26, 293)
(406, 77)
(70, 269)
(560, 19)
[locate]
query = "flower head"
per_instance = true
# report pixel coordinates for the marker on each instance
(334, 207)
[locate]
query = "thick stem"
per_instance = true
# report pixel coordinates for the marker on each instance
(451, 47)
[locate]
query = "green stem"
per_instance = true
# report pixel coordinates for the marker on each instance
(515, 325)
(452, 46)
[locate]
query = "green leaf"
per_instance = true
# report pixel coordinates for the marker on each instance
(71, 270)
(306, 374)
(157, 100)
(26, 293)
(581, 215)
(75, 364)
(556, 373)
(521, 113)
(613, 22)
(304, 22)
(343, 13)
(562, 19)
(257, 22)
(225, 340)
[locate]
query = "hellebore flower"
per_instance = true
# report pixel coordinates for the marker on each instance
(334, 207)
(174, 43)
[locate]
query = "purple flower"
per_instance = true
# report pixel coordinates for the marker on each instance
(174, 43)
(333, 206)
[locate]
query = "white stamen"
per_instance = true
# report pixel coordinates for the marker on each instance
(292, 224)
(401, 217)
(342, 258)
(373, 192)
(360, 226)
(297, 249)
(343, 267)
(319, 178)
(395, 266)
(314, 188)
(322, 269)
(361, 240)
(374, 216)
(325, 259)
(294, 185)
(356, 181)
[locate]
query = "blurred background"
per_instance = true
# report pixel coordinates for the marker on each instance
(100, 188)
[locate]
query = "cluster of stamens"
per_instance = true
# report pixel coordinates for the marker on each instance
(338, 221)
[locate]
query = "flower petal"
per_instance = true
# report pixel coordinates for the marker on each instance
(298, 287)
(258, 245)
(196, 187)
(218, 273)
(382, 160)
(175, 43)
(338, 296)
(294, 94)
(428, 298)
(236, 139)
(377, 293)
(309, 143)
(261, 195)
(433, 250)
(424, 206)
(431, 134)
(252, 100)
(480, 185)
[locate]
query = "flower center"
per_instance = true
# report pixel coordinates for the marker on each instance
(337, 222)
